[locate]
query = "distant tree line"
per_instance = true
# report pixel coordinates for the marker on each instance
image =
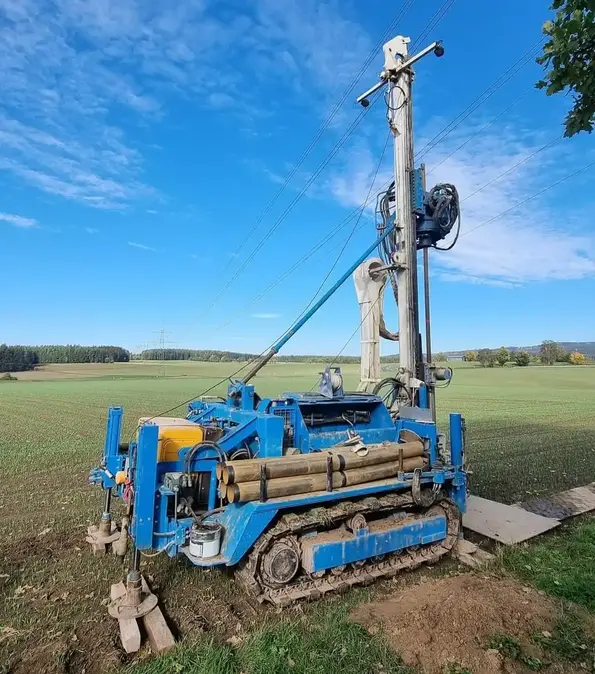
(73, 353)
(20, 358)
(215, 356)
(550, 352)
(17, 358)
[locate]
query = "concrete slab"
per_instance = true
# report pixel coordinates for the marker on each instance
(565, 504)
(504, 523)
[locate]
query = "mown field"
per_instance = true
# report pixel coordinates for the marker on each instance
(529, 431)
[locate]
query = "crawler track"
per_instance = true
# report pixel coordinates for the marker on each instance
(313, 586)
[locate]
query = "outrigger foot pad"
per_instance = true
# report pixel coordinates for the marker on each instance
(100, 537)
(134, 601)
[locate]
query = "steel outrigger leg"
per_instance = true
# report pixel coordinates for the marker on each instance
(133, 601)
(106, 533)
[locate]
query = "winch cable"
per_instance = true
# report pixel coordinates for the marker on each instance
(444, 199)
(324, 126)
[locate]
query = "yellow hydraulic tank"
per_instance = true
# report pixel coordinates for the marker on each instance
(174, 434)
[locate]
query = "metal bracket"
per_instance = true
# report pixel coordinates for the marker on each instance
(399, 261)
(394, 66)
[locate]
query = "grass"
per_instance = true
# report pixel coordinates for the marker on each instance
(568, 640)
(511, 648)
(561, 564)
(530, 431)
(322, 641)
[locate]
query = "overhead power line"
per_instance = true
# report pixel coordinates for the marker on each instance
(481, 99)
(509, 170)
(356, 214)
(432, 23)
(533, 196)
(351, 233)
(480, 131)
(323, 127)
(293, 202)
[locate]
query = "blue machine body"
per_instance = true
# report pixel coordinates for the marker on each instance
(305, 422)
(271, 427)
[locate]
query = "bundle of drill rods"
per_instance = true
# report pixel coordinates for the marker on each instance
(251, 479)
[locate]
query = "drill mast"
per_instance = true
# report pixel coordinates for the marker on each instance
(398, 76)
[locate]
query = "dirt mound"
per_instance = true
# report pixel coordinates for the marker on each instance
(451, 620)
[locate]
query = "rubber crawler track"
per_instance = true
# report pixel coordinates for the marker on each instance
(308, 587)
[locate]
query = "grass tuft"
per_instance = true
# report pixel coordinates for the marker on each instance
(320, 642)
(510, 648)
(569, 641)
(199, 658)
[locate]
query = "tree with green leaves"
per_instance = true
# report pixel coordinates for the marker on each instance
(441, 358)
(569, 60)
(470, 356)
(502, 356)
(522, 358)
(551, 352)
(486, 358)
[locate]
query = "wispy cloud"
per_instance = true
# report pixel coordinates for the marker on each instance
(534, 242)
(72, 67)
(19, 220)
(91, 230)
(266, 316)
(141, 246)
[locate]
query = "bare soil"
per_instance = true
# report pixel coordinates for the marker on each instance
(53, 605)
(451, 620)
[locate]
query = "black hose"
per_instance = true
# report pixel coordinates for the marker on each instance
(443, 201)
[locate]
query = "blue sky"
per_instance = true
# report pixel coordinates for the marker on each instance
(140, 141)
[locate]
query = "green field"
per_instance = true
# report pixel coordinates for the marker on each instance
(529, 431)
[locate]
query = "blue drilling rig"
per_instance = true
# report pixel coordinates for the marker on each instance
(308, 493)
